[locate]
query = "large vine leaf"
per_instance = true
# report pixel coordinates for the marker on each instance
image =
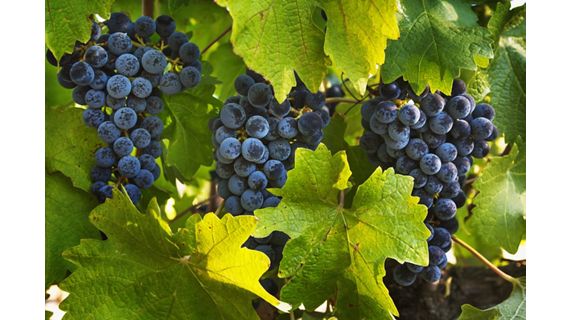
(67, 209)
(438, 39)
(227, 66)
(514, 308)
(70, 145)
(190, 138)
(498, 217)
(339, 252)
(507, 72)
(144, 271)
(276, 38)
(68, 21)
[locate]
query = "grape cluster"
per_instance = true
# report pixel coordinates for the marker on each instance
(255, 139)
(432, 138)
(120, 77)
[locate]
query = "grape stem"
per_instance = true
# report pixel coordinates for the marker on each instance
(148, 8)
(219, 210)
(228, 29)
(488, 263)
(292, 315)
(341, 99)
(188, 210)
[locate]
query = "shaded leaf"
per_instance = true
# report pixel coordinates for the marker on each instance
(514, 308)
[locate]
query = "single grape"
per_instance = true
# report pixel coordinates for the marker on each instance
(273, 169)
(154, 149)
(64, 80)
(233, 115)
(433, 185)
(310, 124)
(114, 103)
(370, 142)
(441, 237)
(432, 104)
(100, 174)
(271, 202)
(484, 110)
(382, 153)
(165, 26)
(154, 105)
(118, 22)
(493, 135)
(416, 149)
(252, 149)
(409, 114)
(430, 228)
(451, 225)
(118, 86)
(175, 41)
(481, 128)
(93, 118)
(280, 110)
(446, 152)
(237, 185)
(425, 198)
(257, 127)
(141, 137)
(287, 128)
(105, 192)
(127, 65)
(259, 95)
(242, 84)
(95, 99)
(460, 199)
(144, 179)
(119, 43)
(224, 171)
(147, 162)
(404, 165)
(458, 107)
(444, 209)
(141, 87)
(189, 52)
(145, 26)
(396, 144)
(190, 77)
(324, 113)
(251, 200)
(436, 255)
(96, 56)
(368, 109)
(433, 140)
(480, 149)
(129, 166)
(447, 173)
(153, 125)
(170, 83)
(136, 103)
(440, 123)
(420, 179)
(104, 157)
(231, 148)
(430, 164)
(123, 146)
(450, 190)
(399, 131)
(108, 132)
(243, 168)
(280, 181)
(153, 61)
(133, 192)
(414, 267)
(100, 80)
(125, 118)
(421, 121)
(279, 149)
(81, 73)
(403, 276)
(223, 133)
(390, 91)
(223, 190)
(464, 146)
(386, 112)
(257, 180)
(232, 205)
(431, 274)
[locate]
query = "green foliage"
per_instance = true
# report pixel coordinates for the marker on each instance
(513, 308)
(438, 39)
(190, 137)
(227, 66)
(145, 271)
(276, 38)
(499, 214)
(70, 145)
(68, 21)
(66, 223)
(56, 95)
(339, 250)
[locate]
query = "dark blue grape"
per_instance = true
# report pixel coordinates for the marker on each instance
(441, 237)
(432, 104)
(230, 148)
(96, 56)
(237, 185)
(279, 149)
(399, 131)
(481, 128)
(147, 162)
(105, 192)
(170, 83)
(446, 152)
(119, 43)
(280, 109)
(493, 135)
(123, 146)
(108, 132)
(259, 95)
(409, 114)
(420, 179)
(153, 125)
(460, 199)
(95, 99)
(233, 115)
(154, 62)
(223, 133)
(257, 127)
(190, 77)
(480, 149)
(414, 267)
(144, 179)
(464, 146)
(436, 255)
(416, 149)
(382, 154)
(251, 200)
(433, 140)
(114, 103)
(430, 164)
(431, 274)
(127, 65)
(165, 26)
(242, 84)
(257, 180)
(441, 123)
(118, 22)
(223, 190)
(136, 103)
(252, 149)
(154, 149)
(81, 73)
(403, 276)
(390, 91)
(93, 118)
(189, 52)
(421, 121)
(141, 137)
(133, 192)
(370, 142)
(287, 128)
(395, 144)
(484, 110)
(129, 166)
(447, 173)
(104, 157)
(100, 174)
(118, 86)
(232, 205)
(431, 232)
(450, 190)
(386, 112)
(145, 26)
(433, 185)
(100, 80)
(243, 168)
(458, 107)
(141, 87)
(175, 41)
(154, 105)
(271, 202)
(404, 165)
(273, 169)
(444, 209)
(425, 198)
(125, 118)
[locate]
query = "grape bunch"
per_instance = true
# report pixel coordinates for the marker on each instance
(432, 138)
(120, 77)
(255, 138)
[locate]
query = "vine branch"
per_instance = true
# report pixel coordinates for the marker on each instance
(148, 8)
(341, 99)
(217, 39)
(488, 263)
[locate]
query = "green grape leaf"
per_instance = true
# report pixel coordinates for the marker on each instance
(67, 210)
(364, 27)
(68, 21)
(438, 39)
(190, 139)
(514, 308)
(56, 95)
(144, 271)
(227, 66)
(276, 38)
(464, 257)
(70, 145)
(498, 217)
(335, 249)
(507, 72)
